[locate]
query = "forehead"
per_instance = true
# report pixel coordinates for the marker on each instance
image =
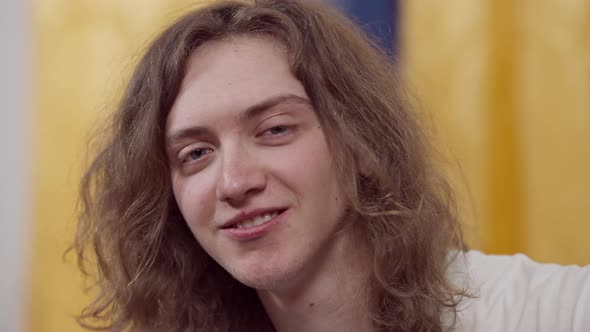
(229, 75)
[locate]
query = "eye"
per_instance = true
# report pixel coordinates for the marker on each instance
(277, 130)
(196, 154)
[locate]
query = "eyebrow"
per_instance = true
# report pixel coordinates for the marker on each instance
(259, 108)
(244, 116)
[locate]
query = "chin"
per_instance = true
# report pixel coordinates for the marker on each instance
(265, 276)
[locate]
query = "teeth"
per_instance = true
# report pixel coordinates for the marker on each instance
(256, 221)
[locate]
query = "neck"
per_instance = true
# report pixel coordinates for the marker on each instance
(333, 296)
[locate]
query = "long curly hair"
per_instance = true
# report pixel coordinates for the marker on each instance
(151, 273)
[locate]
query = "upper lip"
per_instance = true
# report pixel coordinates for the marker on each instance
(246, 215)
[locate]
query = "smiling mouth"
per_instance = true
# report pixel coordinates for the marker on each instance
(258, 220)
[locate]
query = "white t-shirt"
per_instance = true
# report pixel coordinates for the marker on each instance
(513, 293)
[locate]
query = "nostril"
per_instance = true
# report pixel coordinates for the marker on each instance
(238, 190)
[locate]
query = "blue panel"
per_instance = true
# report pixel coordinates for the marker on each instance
(377, 17)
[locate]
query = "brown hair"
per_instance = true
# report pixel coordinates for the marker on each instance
(153, 275)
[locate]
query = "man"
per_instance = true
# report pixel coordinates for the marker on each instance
(265, 173)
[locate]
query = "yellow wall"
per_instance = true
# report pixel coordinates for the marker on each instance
(509, 83)
(83, 50)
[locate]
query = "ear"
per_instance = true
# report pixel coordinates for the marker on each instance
(365, 166)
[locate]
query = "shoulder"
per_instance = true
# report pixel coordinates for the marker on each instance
(514, 293)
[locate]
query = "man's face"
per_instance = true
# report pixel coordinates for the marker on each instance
(251, 169)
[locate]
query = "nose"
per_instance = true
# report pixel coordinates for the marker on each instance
(241, 176)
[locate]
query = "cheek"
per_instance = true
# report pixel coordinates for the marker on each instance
(309, 170)
(195, 199)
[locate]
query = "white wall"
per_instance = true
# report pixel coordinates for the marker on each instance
(15, 147)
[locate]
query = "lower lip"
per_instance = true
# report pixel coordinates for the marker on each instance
(251, 233)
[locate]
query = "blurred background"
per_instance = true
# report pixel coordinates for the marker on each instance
(507, 84)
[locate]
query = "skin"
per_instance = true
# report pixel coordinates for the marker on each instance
(242, 136)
